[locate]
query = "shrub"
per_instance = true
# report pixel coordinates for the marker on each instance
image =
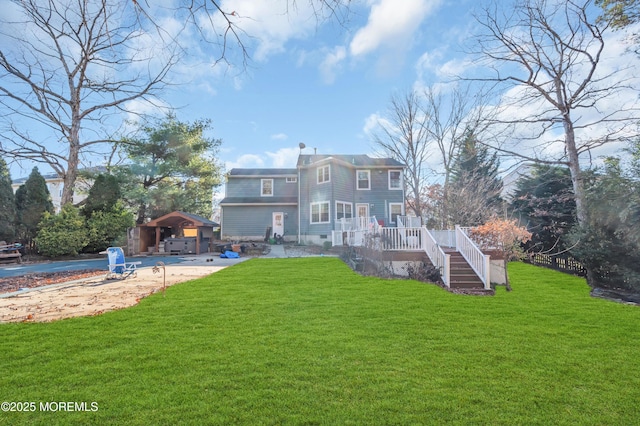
(62, 234)
(424, 272)
(104, 227)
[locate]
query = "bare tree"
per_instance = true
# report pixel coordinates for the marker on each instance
(451, 117)
(65, 65)
(69, 68)
(403, 135)
(549, 54)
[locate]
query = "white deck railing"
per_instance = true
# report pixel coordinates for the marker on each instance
(478, 261)
(444, 237)
(409, 222)
(402, 239)
(353, 230)
(356, 224)
(438, 257)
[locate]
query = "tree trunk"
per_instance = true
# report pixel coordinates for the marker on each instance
(70, 176)
(142, 212)
(506, 274)
(576, 173)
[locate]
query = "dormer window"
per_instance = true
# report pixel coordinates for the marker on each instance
(364, 179)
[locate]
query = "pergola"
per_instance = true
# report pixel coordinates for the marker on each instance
(180, 224)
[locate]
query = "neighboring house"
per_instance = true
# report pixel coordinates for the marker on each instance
(55, 185)
(510, 180)
(307, 203)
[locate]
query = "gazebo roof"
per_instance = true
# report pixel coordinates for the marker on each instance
(180, 219)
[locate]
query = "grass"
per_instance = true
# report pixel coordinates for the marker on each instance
(308, 341)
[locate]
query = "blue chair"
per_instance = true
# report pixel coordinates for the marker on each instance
(118, 268)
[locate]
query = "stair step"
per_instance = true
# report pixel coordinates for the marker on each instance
(466, 284)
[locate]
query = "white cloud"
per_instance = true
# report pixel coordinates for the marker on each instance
(391, 24)
(279, 137)
(265, 26)
(372, 122)
(246, 161)
(330, 66)
(284, 157)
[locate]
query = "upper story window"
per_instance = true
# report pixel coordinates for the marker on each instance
(323, 174)
(266, 187)
(292, 179)
(395, 179)
(364, 179)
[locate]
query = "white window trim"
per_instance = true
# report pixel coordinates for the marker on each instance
(368, 172)
(320, 203)
(345, 203)
(292, 179)
(328, 167)
(262, 194)
(389, 180)
(391, 211)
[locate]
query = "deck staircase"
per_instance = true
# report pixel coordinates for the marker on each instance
(462, 265)
(462, 275)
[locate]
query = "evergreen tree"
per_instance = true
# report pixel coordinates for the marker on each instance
(103, 195)
(7, 205)
(473, 195)
(609, 244)
(32, 201)
(544, 202)
(172, 167)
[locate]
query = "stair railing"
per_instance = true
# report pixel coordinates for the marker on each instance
(438, 257)
(479, 262)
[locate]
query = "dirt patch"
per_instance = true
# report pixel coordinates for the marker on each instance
(10, 284)
(94, 295)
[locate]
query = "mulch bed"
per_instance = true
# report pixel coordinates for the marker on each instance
(39, 279)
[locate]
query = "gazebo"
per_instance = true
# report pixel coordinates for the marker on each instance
(174, 233)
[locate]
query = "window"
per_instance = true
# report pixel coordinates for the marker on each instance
(267, 187)
(395, 179)
(395, 210)
(364, 179)
(323, 174)
(344, 210)
(292, 179)
(320, 212)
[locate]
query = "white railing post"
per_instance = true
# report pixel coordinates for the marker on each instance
(446, 276)
(487, 272)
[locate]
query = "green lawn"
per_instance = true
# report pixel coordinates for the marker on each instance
(308, 341)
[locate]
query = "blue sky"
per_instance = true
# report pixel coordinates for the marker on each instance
(321, 85)
(316, 82)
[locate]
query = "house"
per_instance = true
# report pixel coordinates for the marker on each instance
(510, 180)
(55, 185)
(348, 200)
(307, 203)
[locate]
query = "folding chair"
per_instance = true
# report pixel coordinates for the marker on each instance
(118, 268)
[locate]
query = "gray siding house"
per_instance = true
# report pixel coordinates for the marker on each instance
(306, 203)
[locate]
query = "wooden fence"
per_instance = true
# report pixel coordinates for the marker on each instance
(560, 263)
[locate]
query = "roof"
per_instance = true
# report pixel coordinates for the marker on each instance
(56, 176)
(180, 219)
(360, 160)
(259, 200)
(263, 172)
